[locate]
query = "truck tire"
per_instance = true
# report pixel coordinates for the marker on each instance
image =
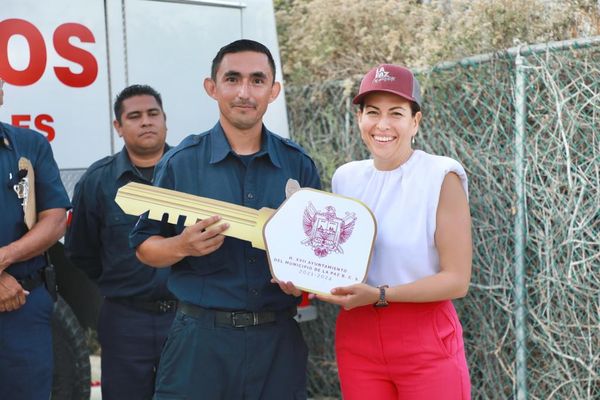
(72, 374)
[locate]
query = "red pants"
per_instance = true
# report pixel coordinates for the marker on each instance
(406, 351)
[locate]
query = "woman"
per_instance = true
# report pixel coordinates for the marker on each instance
(398, 335)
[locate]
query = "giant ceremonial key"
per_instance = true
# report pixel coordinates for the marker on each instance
(315, 239)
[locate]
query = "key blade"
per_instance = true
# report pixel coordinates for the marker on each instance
(244, 223)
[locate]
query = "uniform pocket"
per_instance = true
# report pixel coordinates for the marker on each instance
(169, 379)
(180, 322)
(116, 231)
(210, 263)
(120, 221)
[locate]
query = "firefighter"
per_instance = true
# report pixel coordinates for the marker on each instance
(32, 218)
(138, 309)
(234, 335)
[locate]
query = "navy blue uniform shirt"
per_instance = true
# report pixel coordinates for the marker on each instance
(97, 240)
(49, 190)
(236, 276)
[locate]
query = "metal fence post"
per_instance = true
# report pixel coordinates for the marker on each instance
(520, 231)
(347, 123)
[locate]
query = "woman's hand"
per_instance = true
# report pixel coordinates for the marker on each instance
(351, 297)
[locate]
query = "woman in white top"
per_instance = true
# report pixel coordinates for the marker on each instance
(398, 335)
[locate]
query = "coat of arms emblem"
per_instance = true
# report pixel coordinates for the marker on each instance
(326, 231)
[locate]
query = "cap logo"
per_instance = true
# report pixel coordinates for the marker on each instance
(382, 75)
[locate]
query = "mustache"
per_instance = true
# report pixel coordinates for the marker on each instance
(244, 103)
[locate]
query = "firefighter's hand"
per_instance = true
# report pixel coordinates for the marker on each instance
(4, 260)
(204, 237)
(352, 296)
(288, 288)
(12, 295)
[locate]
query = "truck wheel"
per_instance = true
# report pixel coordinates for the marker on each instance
(71, 355)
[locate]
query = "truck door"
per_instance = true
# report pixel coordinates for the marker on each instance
(170, 46)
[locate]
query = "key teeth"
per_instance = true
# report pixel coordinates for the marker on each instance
(189, 220)
(259, 244)
(155, 215)
(172, 218)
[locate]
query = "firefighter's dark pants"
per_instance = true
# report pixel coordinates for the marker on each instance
(26, 358)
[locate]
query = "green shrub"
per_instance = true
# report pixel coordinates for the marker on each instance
(334, 39)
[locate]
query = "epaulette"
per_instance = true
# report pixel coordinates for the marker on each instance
(100, 163)
(188, 141)
(290, 143)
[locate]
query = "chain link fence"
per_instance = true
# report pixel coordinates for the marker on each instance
(525, 124)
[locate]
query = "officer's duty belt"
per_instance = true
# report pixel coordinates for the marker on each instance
(155, 306)
(236, 319)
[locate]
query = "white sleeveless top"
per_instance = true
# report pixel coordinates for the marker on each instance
(404, 202)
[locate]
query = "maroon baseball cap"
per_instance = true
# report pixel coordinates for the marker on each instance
(390, 78)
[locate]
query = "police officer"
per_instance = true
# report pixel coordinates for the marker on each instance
(234, 336)
(137, 310)
(25, 303)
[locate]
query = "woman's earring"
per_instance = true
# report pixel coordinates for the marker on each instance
(413, 140)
